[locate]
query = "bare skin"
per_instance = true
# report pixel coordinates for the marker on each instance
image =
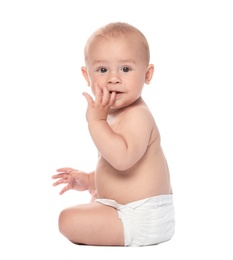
(131, 164)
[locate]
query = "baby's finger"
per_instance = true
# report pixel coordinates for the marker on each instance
(88, 98)
(98, 94)
(55, 177)
(65, 170)
(112, 99)
(61, 181)
(66, 188)
(106, 96)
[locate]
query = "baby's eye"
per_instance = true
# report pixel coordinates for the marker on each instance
(125, 69)
(102, 70)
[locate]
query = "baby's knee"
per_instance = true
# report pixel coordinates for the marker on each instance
(68, 226)
(63, 222)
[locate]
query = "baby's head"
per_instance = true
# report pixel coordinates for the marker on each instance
(117, 30)
(117, 56)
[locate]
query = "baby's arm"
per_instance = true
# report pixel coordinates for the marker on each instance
(124, 148)
(74, 179)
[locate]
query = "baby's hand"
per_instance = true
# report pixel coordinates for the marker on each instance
(76, 180)
(98, 109)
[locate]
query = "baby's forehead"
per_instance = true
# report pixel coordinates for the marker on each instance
(132, 40)
(122, 39)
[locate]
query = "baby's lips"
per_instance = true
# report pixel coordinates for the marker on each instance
(117, 92)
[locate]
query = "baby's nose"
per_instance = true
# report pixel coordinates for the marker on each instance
(114, 78)
(113, 81)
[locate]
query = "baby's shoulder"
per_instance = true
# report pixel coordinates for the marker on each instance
(137, 117)
(140, 112)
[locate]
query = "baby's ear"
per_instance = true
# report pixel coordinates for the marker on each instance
(149, 73)
(85, 75)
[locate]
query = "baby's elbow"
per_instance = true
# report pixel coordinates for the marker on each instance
(122, 165)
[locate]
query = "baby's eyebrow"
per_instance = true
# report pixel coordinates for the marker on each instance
(99, 61)
(128, 61)
(120, 61)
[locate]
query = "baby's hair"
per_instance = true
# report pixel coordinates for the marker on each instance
(119, 29)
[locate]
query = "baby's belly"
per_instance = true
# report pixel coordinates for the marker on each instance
(125, 189)
(139, 182)
(108, 184)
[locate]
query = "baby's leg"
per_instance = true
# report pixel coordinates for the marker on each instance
(92, 224)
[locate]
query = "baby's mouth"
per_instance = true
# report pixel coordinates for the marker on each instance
(117, 92)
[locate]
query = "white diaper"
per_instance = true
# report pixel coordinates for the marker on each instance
(146, 222)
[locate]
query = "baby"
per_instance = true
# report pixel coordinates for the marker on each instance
(132, 201)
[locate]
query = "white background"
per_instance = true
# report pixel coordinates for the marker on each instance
(43, 125)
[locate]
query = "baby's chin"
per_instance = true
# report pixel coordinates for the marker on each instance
(113, 109)
(116, 108)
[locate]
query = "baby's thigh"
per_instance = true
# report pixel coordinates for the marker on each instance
(92, 224)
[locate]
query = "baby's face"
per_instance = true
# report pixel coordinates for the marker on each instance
(120, 65)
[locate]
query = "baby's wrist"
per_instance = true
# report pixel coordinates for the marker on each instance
(95, 121)
(96, 124)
